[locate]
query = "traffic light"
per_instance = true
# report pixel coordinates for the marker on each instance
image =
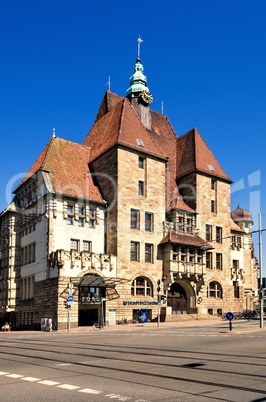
(163, 297)
(158, 288)
(67, 304)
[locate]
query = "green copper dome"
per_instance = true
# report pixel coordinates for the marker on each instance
(138, 80)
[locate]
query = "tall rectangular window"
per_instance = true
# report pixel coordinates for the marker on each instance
(213, 206)
(134, 251)
(208, 232)
(213, 184)
(236, 290)
(208, 260)
(148, 252)
(148, 222)
(219, 261)
(134, 219)
(141, 162)
(70, 214)
(219, 234)
(92, 218)
(141, 187)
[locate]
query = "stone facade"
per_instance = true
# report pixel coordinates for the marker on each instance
(133, 222)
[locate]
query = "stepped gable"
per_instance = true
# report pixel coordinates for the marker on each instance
(193, 154)
(109, 101)
(120, 125)
(190, 240)
(67, 163)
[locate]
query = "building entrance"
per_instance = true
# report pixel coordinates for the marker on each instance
(177, 299)
(87, 317)
(92, 292)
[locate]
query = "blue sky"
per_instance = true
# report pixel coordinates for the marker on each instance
(205, 60)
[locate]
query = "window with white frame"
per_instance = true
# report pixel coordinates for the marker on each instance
(86, 245)
(74, 245)
(214, 289)
(141, 286)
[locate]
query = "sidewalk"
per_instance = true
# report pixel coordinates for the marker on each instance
(218, 324)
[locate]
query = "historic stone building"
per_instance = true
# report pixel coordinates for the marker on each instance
(132, 209)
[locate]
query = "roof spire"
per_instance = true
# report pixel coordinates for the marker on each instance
(54, 133)
(139, 40)
(138, 81)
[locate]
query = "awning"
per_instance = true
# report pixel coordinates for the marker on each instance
(97, 281)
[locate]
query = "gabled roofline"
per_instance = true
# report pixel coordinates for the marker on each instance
(205, 174)
(120, 145)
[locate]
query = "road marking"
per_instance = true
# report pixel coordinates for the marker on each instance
(90, 391)
(30, 379)
(47, 382)
(3, 373)
(68, 386)
(119, 397)
(64, 364)
(14, 375)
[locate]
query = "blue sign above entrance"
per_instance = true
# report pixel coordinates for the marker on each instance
(139, 303)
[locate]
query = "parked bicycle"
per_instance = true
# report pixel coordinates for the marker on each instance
(97, 326)
(123, 321)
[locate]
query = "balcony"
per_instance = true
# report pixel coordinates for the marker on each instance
(82, 259)
(178, 269)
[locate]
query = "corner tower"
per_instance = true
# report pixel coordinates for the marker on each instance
(138, 93)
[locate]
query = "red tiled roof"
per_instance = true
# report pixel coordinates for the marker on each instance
(67, 163)
(193, 154)
(109, 101)
(177, 202)
(117, 122)
(120, 125)
(173, 237)
(234, 227)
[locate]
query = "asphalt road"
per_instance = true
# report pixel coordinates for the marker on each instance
(202, 363)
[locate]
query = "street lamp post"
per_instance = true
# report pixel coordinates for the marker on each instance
(260, 265)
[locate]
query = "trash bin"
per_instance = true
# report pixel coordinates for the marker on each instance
(144, 314)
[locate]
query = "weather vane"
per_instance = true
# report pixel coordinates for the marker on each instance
(139, 42)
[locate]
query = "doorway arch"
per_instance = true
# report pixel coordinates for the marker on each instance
(177, 299)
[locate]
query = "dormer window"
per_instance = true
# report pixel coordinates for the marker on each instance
(211, 168)
(139, 142)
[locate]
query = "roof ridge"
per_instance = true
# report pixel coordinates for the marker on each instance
(196, 148)
(166, 118)
(121, 117)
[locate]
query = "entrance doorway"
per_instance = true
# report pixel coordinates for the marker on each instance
(92, 296)
(88, 317)
(177, 299)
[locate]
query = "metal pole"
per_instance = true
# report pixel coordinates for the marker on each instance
(159, 311)
(68, 319)
(260, 265)
(159, 301)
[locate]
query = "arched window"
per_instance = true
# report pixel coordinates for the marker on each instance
(141, 286)
(214, 289)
